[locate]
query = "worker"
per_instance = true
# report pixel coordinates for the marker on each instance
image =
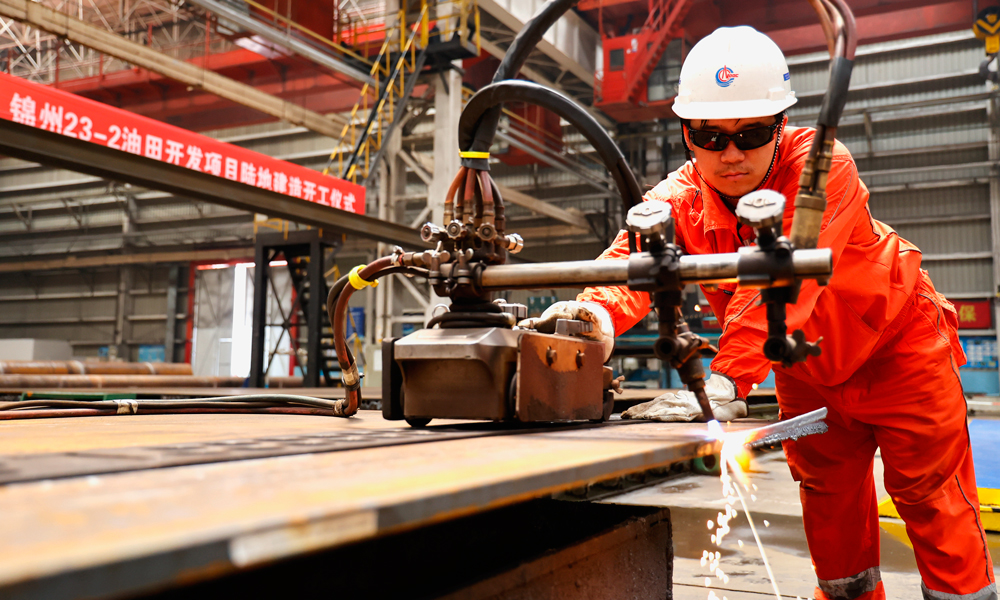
(888, 372)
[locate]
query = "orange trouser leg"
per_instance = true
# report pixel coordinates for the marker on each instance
(919, 420)
(946, 533)
(908, 399)
(837, 489)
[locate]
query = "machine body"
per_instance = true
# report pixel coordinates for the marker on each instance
(495, 374)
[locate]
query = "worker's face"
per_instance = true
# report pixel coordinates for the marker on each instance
(732, 171)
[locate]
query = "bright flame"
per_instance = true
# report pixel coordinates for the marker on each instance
(735, 460)
(735, 456)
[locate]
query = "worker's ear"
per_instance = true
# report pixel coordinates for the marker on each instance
(684, 139)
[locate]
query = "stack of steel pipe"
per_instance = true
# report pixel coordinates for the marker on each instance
(22, 375)
(76, 367)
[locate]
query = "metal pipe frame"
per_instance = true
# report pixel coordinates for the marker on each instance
(701, 268)
(283, 39)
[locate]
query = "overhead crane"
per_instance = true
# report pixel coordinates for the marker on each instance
(634, 37)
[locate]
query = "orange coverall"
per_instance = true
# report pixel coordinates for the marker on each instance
(888, 374)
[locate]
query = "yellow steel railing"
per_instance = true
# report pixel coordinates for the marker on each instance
(381, 68)
(374, 113)
(457, 23)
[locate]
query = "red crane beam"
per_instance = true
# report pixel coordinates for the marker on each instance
(872, 28)
(153, 95)
(792, 23)
(665, 19)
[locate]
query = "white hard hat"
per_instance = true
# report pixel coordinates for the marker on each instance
(734, 73)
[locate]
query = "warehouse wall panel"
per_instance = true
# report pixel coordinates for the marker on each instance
(948, 201)
(962, 277)
(80, 306)
(949, 238)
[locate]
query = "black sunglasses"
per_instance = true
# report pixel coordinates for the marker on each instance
(744, 140)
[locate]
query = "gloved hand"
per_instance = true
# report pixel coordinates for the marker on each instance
(682, 405)
(603, 331)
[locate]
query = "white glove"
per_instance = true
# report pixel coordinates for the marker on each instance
(682, 405)
(603, 331)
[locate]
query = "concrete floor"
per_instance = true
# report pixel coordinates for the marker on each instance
(696, 499)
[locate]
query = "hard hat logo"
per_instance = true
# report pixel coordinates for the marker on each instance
(725, 76)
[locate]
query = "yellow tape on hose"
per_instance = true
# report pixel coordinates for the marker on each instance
(471, 154)
(356, 280)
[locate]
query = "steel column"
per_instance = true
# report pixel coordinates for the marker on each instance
(170, 335)
(447, 109)
(123, 309)
(261, 260)
(314, 344)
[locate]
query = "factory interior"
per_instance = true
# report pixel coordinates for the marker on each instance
(386, 299)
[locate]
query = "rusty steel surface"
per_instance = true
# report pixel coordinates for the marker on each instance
(24, 466)
(122, 432)
(147, 368)
(35, 367)
(75, 367)
(34, 382)
(17, 383)
(559, 378)
(179, 523)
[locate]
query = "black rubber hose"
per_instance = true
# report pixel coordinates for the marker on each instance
(515, 57)
(476, 130)
(529, 37)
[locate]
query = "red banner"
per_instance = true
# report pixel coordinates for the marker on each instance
(974, 314)
(77, 117)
